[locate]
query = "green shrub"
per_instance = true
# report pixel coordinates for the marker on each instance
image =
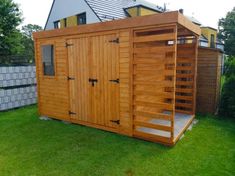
(229, 66)
(227, 105)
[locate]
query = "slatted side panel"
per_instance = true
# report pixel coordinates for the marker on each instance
(154, 83)
(185, 77)
(53, 91)
(125, 81)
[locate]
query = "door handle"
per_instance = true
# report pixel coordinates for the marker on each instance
(115, 81)
(93, 81)
(115, 121)
(70, 78)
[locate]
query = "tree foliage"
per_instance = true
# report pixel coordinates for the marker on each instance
(27, 39)
(227, 32)
(227, 105)
(10, 18)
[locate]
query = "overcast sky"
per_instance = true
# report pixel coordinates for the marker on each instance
(208, 12)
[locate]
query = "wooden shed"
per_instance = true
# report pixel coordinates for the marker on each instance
(135, 76)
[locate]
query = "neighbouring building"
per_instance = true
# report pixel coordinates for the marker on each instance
(78, 12)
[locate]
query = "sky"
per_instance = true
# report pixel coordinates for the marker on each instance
(208, 12)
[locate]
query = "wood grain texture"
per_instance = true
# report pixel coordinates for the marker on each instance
(208, 80)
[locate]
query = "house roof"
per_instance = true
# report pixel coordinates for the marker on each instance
(209, 28)
(194, 20)
(108, 10)
(203, 38)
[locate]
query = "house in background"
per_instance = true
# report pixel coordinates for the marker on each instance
(78, 12)
(209, 38)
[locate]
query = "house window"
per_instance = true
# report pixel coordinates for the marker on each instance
(212, 41)
(81, 18)
(65, 22)
(48, 60)
(57, 24)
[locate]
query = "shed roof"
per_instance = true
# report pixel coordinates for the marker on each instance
(141, 21)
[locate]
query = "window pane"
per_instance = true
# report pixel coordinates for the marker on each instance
(57, 24)
(81, 19)
(48, 60)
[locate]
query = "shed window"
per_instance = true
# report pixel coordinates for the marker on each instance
(81, 18)
(57, 24)
(48, 60)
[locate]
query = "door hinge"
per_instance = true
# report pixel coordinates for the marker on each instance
(72, 113)
(93, 81)
(70, 78)
(115, 81)
(115, 121)
(68, 44)
(114, 41)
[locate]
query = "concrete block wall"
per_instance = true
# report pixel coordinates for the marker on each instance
(17, 87)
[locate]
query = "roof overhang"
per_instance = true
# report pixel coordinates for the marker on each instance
(143, 21)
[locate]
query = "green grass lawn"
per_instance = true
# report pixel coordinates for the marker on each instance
(31, 147)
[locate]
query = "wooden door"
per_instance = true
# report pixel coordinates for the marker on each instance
(94, 94)
(111, 80)
(78, 59)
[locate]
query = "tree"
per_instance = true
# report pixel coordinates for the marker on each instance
(28, 30)
(10, 18)
(27, 39)
(227, 32)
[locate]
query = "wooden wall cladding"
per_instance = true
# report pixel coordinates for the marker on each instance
(208, 80)
(53, 91)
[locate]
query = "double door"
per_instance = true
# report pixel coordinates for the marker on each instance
(94, 79)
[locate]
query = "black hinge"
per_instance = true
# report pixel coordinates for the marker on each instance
(115, 81)
(114, 41)
(70, 79)
(115, 121)
(72, 113)
(68, 44)
(93, 81)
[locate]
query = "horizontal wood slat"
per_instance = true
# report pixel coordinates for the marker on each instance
(160, 37)
(154, 115)
(151, 137)
(156, 49)
(184, 105)
(151, 125)
(165, 106)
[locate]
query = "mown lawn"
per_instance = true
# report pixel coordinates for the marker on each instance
(31, 147)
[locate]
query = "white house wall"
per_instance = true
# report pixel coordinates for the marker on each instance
(65, 8)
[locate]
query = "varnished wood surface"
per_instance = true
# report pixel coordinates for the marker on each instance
(156, 73)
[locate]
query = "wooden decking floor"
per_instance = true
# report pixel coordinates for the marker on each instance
(182, 121)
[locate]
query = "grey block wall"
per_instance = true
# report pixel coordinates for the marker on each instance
(25, 94)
